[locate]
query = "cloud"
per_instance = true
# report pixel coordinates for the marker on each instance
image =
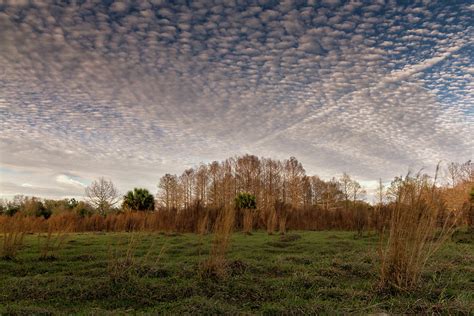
(131, 91)
(69, 180)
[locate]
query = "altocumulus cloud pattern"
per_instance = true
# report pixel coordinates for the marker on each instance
(131, 90)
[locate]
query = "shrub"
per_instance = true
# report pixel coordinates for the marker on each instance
(12, 209)
(83, 209)
(42, 211)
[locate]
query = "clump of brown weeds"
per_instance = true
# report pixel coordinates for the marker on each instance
(416, 231)
(55, 238)
(14, 230)
(216, 264)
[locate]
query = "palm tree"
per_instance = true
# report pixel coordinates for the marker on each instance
(139, 200)
(247, 203)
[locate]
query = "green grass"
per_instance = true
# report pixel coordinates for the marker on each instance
(321, 272)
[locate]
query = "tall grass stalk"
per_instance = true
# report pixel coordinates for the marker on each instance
(13, 234)
(271, 221)
(203, 223)
(416, 231)
(124, 264)
(247, 221)
(216, 264)
(54, 240)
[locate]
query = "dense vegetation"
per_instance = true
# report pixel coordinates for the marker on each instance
(283, 196)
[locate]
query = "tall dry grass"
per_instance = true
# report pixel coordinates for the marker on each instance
(247, 220)
(282, 214)
(416, 231)
(124, 263)
(203, 223)
(270, 221)
(198, 218)
(13, 231)
(54, 240)
(216, 264)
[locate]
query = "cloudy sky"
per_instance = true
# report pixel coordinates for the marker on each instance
(132, 90)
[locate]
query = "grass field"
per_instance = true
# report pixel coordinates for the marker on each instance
(302, 272)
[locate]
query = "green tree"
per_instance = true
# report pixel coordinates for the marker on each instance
(42, 211)
(12, 209)
(246, 203)
(83, 209)
(139, 200)
(72, 203)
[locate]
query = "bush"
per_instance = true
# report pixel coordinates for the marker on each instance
(12, 209)
(42, 211)
(83, 209)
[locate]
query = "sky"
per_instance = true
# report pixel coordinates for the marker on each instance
(133, 90)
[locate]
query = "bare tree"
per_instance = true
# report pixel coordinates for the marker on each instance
(380, 194)
(453, 172)
(188, 181)
(356, 190)
(345, 183)
(318, 188)
(102, 194)
(293, 175)
(214, 176)
(168, 194)
(202, 181)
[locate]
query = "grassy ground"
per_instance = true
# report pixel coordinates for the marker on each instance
(321, 272)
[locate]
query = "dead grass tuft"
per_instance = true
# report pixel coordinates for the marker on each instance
(14, 230)
(57, 233)
(415, 233)
(216, 264)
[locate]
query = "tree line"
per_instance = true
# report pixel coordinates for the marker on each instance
(280, 189)
(218, 183)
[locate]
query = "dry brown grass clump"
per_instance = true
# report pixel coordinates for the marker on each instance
(271, 221)
(216, 265)
(55, 238)
(247, 220)
(203, 223)
(124, 263)
(281, 209)
(14, 230)
(416, 231)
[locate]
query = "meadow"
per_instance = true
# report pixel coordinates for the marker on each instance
(300, 272)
